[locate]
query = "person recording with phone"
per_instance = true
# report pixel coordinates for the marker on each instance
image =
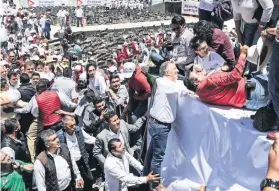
(179, 52)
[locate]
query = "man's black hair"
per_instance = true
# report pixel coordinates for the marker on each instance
(109, 115)
(11, 73)
(10, 125)
(178, 20)
(36, 74)
(90, 95)
(11, 51)
(67, 72)
(46, 82)
(97, 100)
(189, 83)
(205, 30)
(24, 78)
(89, 65)
(113, 76)
(111, 144)
(196, 42)
(41, 86)
(81, 84)
(3, 82)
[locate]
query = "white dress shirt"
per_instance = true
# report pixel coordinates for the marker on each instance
(79, 13)
(117, 172)
(164, 109)
(34, 108)
(73, 146)
(117, 135)
(62, 13)
(63, 172)
(65, 85)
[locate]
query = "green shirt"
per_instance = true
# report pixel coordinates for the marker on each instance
(12, 181)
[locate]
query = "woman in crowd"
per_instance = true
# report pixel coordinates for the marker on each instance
(217, 40)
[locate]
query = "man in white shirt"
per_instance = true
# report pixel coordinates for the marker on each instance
(96, 80)
(79, 15)
(62, 13)
(75, 138)
(162, 111)
(116, 168)
(54, 167)
(42, 23)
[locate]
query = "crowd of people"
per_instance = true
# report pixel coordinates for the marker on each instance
(70, 125)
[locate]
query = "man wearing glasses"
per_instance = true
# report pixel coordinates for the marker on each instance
(178, 49)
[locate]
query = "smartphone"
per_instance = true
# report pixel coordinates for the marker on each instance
(271, 135)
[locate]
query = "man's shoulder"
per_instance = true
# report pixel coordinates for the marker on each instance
(102, 134)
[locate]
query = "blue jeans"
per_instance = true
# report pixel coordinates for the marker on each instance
(258, 96)
(156, 151)
(62, 21)
(273, 77)
(157, 59)
(250, 34)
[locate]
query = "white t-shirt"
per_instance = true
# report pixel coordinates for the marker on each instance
(98, 82)
(213, 61)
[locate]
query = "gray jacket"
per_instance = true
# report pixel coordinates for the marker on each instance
(182, 53)
(101, 151)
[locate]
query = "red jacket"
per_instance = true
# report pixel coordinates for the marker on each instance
(138, 82)
(49, 102)
(119, 57)
(225, 88)
(125, 53)
(160, 36)
(134, 50)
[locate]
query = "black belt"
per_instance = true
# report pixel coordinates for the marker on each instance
(159, 122)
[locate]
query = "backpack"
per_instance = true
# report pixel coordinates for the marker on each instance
(265, 119)
(274, 17)
(150, 79)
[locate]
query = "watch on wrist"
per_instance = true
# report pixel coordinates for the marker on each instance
(270, 183)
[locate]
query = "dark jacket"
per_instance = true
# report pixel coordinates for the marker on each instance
(27, 91)
(62, 138)
(19, 146)
(50, 168)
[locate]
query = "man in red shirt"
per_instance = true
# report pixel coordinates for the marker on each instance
(229, 88)
(139, 89)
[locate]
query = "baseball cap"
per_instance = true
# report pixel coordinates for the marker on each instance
(128, 69)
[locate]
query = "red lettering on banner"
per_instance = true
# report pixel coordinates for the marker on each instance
(30, 3)
(79, 2)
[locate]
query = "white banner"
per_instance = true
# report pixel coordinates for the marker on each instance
(190, 8)
(214, 146)
(93, 3)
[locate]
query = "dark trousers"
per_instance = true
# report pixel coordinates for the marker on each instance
(206, 15)
(47, 35)
(79, 20)
(85, 174)
(56, 127)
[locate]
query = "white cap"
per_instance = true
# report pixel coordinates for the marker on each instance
(255, 51)
(30, 38)
(9, 151)
(129, 69)
(112, 69)
(119, 47)
(35, 58)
